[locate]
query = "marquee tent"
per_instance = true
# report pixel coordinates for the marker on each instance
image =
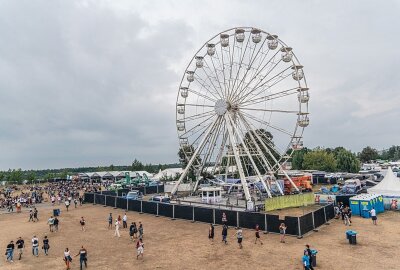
(389, 186)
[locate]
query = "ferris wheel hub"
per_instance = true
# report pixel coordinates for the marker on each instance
(221, 107)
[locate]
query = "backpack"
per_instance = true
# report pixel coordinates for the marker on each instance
(35, 242)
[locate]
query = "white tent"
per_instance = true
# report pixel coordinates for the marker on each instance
(389, 186)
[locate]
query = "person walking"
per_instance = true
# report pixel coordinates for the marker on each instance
(75, 202)
(46, 246)
(82, 222)
(135, 230)
(140, 248)
(66, 204)
(30, 215)
(140, 230)
(211, 232)
(51, 223)
(373, 216)
(55, 223)
(124, 221)
(225, 233)
(119, 219)
(20, 245)
(306, 261)
(82, 257)
(310, 258)
(282, 232)
(35, 246)
(80, 200)
(10, 251)
(110, 220)
(131, 231)
(67, 259)
(258, 235)
(239, 235)
(35, 215)
(116, 233)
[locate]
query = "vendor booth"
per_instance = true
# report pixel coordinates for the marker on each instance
(361, 204)
(211, 194)
(389, 188)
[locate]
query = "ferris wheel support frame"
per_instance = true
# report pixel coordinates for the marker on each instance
(192, 159)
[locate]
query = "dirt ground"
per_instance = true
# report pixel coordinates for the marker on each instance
(180, 244)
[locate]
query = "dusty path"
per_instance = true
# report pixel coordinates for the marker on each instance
(181, 244)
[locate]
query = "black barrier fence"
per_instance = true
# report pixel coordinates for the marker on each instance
(297, 226)
(319, 217)
(306, 223)
(329, 211)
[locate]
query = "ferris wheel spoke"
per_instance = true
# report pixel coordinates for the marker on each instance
(223, 69)
(210, 78)
(211, 146)
(231, 64)
(280, 94)
(198, 126)
(221, 149)
(242, 97)
(197, 105)
(252, 127)
(251, 61)
(200, 134)
(198, 116)
(268, 110)
(273, 66)
(268, 124)
(269, 86)
(204, 85)
(240, 64)
(201, 95)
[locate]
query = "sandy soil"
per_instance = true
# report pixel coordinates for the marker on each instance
(179, 244)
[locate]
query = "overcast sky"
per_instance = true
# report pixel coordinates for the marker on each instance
(87, 83)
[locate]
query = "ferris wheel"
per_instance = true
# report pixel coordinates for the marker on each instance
(241, 108)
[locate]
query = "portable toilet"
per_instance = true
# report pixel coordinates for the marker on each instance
(355, 206)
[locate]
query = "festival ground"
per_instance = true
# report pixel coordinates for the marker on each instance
(179, 244)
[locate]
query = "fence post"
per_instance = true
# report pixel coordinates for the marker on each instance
(141, 207)
(105, 200)
(193, 214)
(94, 198)
(157, 209)
(127, 204)
(213, 216)
(237, 219)
(115, 203)
(299, 228)
(265, 224)
(313, 222)
(157, 188)
(325, 214)
(173, 212)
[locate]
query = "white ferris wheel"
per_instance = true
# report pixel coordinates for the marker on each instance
(241, 108)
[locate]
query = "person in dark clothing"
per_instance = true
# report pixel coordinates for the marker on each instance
(82, 257)
(131, 230)
(56, 224)
(20, 245)
(46, 246)
(211, 232)
(10, 251)
(224, 233)
(308, 251)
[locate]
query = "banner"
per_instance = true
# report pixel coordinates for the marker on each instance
(324, 198)
(289, 201)
(391, 203)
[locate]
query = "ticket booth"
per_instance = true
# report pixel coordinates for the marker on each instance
(211, 194)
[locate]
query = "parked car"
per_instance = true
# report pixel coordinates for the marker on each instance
(159, 198)
(133, 195)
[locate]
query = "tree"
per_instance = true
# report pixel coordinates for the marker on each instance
(185, 153)
(298, 158)
(31, 176)
(347, 161)
(319, 159)
(270, 153)
(137, 165)
(368, 154)
(15, 176)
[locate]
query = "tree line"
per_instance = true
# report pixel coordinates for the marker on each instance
(19, 175)
(340, 159)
